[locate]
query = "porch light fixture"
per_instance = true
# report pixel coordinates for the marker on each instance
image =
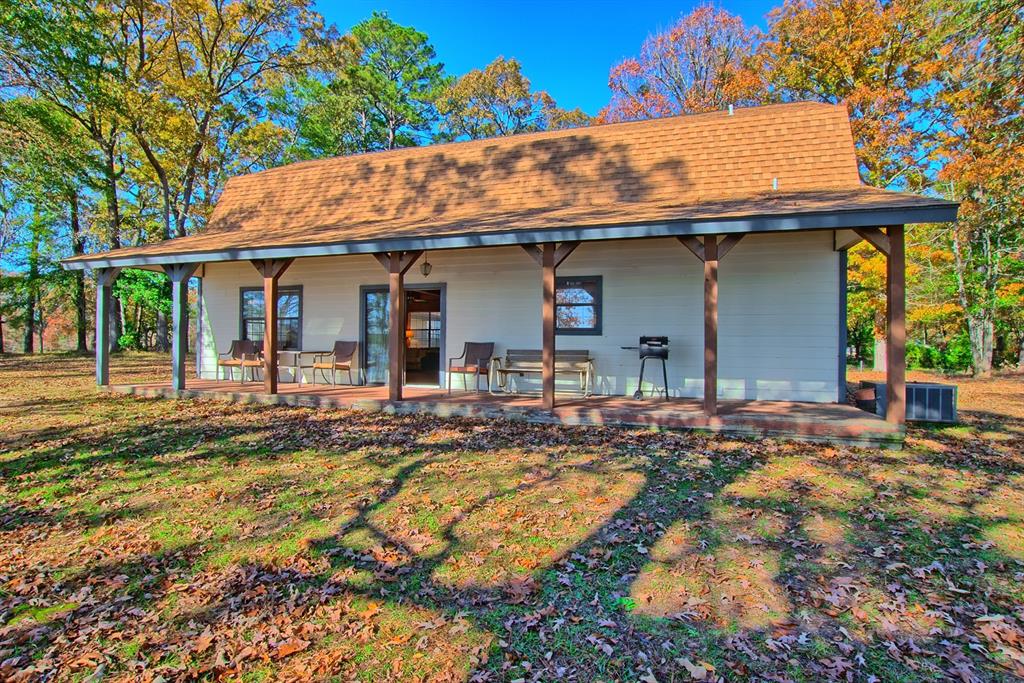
(425, 267)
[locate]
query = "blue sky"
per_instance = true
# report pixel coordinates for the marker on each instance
(565, 47)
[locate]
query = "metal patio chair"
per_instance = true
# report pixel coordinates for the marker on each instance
(338, 359)
(243, 354)
(475, 360)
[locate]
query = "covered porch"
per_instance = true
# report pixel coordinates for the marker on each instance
(643, 210)
(838, 423)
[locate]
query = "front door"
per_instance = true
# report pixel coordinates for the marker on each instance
(423, 334)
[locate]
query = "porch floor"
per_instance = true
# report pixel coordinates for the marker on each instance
(808, 421)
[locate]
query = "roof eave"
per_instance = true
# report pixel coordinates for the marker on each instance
(822, 220)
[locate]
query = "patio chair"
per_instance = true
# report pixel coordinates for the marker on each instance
(243, 354)
(338, 359)
(475, 360)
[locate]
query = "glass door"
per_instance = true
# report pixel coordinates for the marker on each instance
(375, 334)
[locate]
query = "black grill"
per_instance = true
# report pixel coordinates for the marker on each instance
(656, 348)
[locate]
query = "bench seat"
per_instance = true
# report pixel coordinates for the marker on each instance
(523, 362)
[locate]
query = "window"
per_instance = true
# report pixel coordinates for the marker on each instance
(289, 316)
(578, 305)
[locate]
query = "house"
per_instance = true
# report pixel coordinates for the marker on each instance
(726, 232)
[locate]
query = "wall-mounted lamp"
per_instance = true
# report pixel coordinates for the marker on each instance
(425, 267)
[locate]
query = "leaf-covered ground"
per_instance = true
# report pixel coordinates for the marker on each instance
(162, 540)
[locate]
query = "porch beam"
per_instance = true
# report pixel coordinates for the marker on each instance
(896, 337)
(179, 275)
(710, 325)
(271, 270)
(878, 239)
(548, 266)
(104, 284)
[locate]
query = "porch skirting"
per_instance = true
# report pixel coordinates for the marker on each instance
(821, 422)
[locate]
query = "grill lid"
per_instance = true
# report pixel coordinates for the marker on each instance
(653, 347)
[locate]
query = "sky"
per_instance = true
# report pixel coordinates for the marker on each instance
(566, 47)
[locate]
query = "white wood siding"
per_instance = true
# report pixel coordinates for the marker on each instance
(778, 309)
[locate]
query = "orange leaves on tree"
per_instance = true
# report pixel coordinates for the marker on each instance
(701, 63)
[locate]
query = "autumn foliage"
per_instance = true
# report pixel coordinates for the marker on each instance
(702, 63)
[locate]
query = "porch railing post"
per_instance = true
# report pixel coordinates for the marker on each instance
(896, 338)
(179, 275)
(710, 325)
(104, 284)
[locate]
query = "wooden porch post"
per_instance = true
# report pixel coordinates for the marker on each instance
(397, 263)
(548, 256)
(548, 326)
(710, 325)
(711, 251)
(104, 283)
(271, 270)
(896, 338)
(179, 274)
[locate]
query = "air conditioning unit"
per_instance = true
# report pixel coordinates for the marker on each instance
(926, 401)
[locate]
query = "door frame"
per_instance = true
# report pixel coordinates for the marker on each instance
(441, 287)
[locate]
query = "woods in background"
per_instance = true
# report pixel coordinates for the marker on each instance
(121, 121)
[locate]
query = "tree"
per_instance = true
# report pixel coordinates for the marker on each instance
(498, 100)
(982, 156)
(60, 54)
(702, 63)
(397, 80)
(878, 57)
(199, 66)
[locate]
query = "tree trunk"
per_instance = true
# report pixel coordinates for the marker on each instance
(981, 331)
(32, 290)
(1020, 349)
(3, 349)
(78, 248)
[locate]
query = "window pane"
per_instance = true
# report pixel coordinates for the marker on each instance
(252, 304)
(576, 292)
(576, 317)
(253, 329)
(288, 305)
(288, 333)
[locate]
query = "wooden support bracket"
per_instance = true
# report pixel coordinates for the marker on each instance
(878, 239)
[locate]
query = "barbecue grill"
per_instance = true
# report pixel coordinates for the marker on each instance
(651, 347)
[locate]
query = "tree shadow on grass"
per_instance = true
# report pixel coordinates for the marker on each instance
(470, 550)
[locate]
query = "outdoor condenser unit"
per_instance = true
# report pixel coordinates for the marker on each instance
(926, 401)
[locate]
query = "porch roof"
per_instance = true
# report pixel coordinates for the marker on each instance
(770, 168)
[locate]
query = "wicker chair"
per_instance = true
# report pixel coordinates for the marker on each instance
(475, 360)
(338, 359)
(243, 354)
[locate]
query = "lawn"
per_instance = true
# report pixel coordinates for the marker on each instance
(163, 540)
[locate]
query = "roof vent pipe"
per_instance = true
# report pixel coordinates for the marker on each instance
(775, 183)
(730, 110)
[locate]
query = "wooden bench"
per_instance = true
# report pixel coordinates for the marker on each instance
(523, 362)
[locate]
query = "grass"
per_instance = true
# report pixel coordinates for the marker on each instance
(193, 539)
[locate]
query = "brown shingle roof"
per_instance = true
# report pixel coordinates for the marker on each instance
(671, 169)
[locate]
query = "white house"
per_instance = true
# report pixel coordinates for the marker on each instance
(725, 232)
